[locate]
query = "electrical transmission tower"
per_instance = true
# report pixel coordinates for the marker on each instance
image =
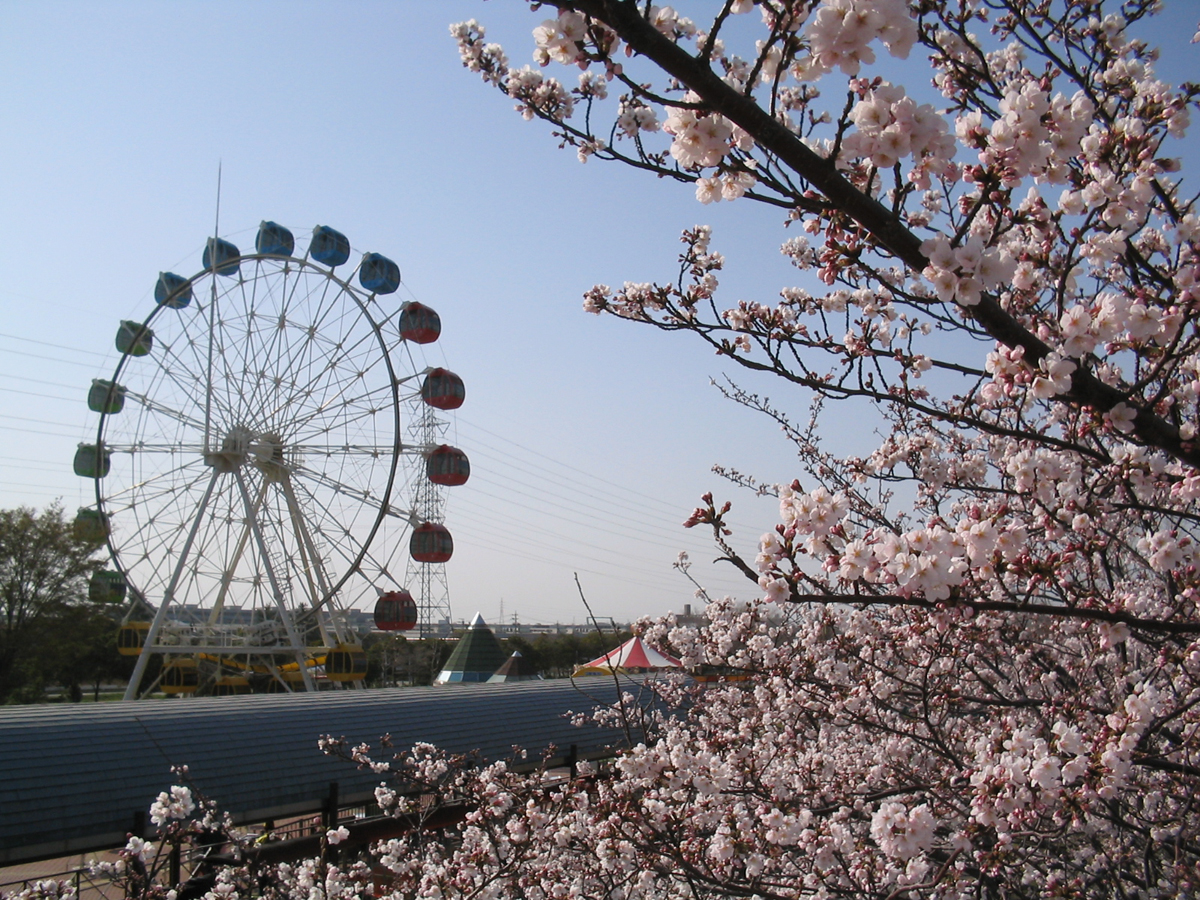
(426, 581)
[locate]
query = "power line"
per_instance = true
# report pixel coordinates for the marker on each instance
(29, 340)
(55, 359)
(27, 380)
(42, 396)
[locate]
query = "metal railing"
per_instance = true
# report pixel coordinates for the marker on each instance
(86, 886)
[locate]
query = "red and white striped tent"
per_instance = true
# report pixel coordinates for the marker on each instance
(632, 656)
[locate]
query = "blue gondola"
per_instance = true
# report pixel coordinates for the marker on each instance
(379, 274)
(222, 256)
(328, 246)
(134, 338)
(274, 240)
(106, 397)
(172, 290)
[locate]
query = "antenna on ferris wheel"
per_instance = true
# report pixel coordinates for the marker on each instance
(217, 223)
(212, 321)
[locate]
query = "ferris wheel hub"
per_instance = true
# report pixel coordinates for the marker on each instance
(235, 449)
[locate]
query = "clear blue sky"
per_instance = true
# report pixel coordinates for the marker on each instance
(591, 439)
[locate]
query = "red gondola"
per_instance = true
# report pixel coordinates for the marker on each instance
(431, 543)
(442, 389)
(448, 465)
(419, 324)
(396, 611)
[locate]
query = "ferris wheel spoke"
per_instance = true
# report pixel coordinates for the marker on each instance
(335, 378)
(235, 360)
(367, 406)
(375, 451)
(275, 348)
(333, 485)
(337, 411)
(233, 316)
(262, 331)
(174, 367)
(162, 409)
(158, 538)
(331, 526)
(176, 480)
(145, 447)
(303, 353)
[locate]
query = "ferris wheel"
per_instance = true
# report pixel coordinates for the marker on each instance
(252, 473)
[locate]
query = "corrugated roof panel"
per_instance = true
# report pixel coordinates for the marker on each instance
(74, 774)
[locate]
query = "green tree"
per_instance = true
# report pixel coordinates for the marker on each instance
(80, 650)
(44, 571)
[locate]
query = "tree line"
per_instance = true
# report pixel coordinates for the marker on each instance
(51, 633)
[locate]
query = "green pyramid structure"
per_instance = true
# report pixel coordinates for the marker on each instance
(476, 657)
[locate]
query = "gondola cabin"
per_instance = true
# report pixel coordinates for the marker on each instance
(442, 389)
(431, 543)
(105, 397)
(419, 324)
(172, 291)
(131, 637)
(448, 466)
(329, 247)
(396, 611)
(378, 274)
(180, 676)
(92, 461)
(274, 240)
(346, 662)
(91, 525)
(134, 338)
(106, 587)
(222, 257)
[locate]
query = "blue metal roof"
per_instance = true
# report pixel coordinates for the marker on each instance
(74, 778)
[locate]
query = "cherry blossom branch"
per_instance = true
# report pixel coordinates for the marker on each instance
(626, 19)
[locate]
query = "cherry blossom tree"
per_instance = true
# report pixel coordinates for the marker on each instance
(974, 664)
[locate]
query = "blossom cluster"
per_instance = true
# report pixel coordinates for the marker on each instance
(842, 31)
(177, 804)
(892, 126)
